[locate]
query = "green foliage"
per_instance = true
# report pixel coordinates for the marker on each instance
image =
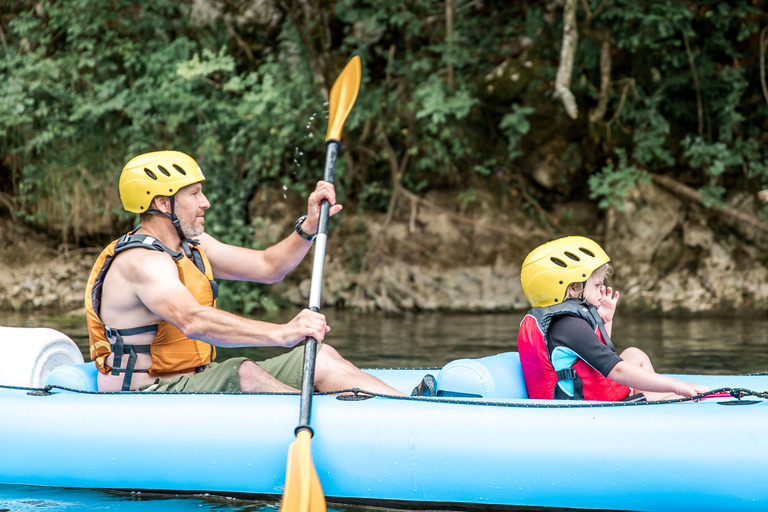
(689, 105)
(515, 126)
(85, 85)
(610, 185)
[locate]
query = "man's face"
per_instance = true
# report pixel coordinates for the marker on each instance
(191, 204)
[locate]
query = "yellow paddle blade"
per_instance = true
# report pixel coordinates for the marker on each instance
(303, 492)
(343, 96)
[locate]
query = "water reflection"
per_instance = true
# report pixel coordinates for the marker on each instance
(703, 345)
(28, 498)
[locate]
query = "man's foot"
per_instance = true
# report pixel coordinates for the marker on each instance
(427, 387)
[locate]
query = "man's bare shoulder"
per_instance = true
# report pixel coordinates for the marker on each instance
(138, 263)
(136, 278)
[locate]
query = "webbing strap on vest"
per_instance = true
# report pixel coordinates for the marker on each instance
(578, 388)
(600, 325)
(131, 241)
(120, 348)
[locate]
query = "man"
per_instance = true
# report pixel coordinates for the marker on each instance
(150, 298)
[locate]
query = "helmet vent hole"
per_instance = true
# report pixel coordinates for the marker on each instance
(559, 262)
(572, 256)
(180, 169)
(163, 170)
(587, 252)
(150, 174)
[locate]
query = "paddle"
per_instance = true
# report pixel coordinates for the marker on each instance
(303, 492)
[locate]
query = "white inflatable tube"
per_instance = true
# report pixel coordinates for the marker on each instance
(28, 355)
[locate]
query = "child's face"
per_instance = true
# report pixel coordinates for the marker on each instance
(592, 289)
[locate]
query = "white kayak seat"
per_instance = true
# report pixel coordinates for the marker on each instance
(82, 377)
(29, 355)
(497, 376)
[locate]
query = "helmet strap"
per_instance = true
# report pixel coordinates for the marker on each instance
(177, 224)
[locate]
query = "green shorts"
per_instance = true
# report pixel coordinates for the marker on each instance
(224, 377)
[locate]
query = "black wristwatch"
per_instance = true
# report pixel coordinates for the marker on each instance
(301, 232)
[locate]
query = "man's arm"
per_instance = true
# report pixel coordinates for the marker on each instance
(270, 265)
(155, 282)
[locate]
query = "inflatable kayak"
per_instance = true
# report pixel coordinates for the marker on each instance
(481, 444)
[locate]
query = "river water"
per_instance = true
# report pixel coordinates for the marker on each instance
(707, 346)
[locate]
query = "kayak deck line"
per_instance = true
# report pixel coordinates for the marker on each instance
(359, 394)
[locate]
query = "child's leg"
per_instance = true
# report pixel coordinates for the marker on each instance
(637, 357)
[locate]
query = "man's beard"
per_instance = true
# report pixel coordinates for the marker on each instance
(191, 230)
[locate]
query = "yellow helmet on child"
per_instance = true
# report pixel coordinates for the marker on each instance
(160, 173)
(550, 268)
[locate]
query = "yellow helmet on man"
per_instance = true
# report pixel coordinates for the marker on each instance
(550, 268)
(159, 173)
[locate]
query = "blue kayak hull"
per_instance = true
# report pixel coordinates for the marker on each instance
(448, 452)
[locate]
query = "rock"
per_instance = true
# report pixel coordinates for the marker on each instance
(668, 257)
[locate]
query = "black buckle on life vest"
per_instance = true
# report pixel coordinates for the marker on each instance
(566, 374)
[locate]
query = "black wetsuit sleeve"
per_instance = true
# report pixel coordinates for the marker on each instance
(576, 334)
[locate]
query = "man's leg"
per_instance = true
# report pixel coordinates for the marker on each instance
(253, 379)
(333, 372)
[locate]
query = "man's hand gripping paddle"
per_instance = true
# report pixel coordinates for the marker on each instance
(303, 492)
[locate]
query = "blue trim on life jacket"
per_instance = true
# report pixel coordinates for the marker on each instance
(563, 358)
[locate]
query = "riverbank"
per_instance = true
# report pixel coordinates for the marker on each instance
(671, 256)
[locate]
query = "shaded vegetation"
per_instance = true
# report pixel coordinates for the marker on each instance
(456, 95)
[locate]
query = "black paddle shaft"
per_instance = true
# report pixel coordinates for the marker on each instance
(310, 344)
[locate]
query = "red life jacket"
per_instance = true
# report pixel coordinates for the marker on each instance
(557, 372)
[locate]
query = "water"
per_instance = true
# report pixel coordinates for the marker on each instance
(707, 346)
(704, 345)
(25, 498)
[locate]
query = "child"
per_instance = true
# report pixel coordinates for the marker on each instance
(564, 340)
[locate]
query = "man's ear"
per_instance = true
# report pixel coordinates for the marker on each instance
(161, 203)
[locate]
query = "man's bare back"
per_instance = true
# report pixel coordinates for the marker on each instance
(121, 308)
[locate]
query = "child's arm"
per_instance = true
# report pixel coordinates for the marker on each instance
(641, 380)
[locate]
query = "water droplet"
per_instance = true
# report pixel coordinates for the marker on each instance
(285, 187)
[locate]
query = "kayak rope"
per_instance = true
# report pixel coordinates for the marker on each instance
(737, 393)
(49, 390)
(353, 394)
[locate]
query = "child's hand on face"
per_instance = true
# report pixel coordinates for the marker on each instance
(608, 302)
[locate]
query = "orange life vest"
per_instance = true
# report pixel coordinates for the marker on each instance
(171, 350)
